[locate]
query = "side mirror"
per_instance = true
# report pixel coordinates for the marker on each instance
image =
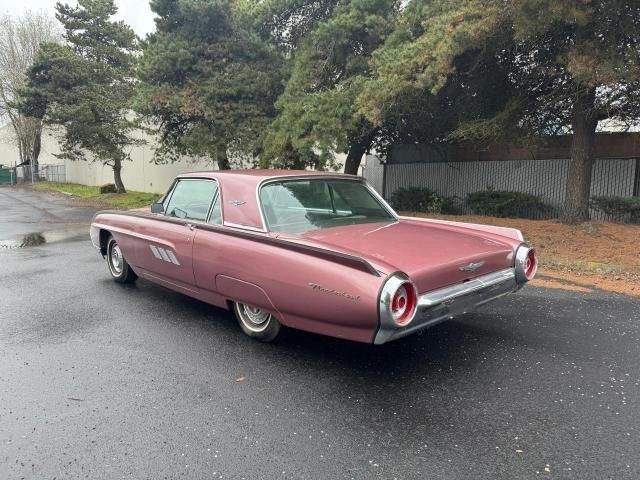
(157, 208)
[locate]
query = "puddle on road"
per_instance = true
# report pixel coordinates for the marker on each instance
(38, 238)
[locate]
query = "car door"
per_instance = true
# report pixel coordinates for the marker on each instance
(166, 241)
(226, 265)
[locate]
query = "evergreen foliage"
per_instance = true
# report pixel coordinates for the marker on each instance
(208, 84)
(85, 85)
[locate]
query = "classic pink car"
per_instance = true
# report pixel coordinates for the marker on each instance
(316, 251)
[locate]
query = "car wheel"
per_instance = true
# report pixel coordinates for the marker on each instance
(256, 323)
(118, 266)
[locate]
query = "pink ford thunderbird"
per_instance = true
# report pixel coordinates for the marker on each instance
(310, 250)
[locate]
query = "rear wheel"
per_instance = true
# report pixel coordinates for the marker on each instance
(256, 323)
(118, 266)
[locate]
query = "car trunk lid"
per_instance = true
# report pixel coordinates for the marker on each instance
(433, 255)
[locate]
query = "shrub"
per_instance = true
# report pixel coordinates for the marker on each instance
(108, 188)
(417, 199)
(453, 206)
(627, 208)
(497, 203)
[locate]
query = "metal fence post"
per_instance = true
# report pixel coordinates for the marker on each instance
(636, 182)
(384, 179)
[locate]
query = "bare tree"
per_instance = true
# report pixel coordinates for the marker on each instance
(20, 39)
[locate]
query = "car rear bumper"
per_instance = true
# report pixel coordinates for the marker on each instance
(446, 303)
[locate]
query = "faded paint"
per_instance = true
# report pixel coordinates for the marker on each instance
(307, 281)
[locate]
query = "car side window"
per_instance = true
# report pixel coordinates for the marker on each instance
(216, 212)
(191, 199)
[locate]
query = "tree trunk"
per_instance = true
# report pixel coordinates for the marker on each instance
(34, 151)
(578, 189)
(37, 145)
(223, 160)
(117, 179)
(358, 148)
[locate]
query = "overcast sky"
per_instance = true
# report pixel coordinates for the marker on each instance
(136, 13)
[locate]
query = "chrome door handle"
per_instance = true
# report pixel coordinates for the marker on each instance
(191, 226)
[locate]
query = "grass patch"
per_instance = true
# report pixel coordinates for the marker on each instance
(92, 195)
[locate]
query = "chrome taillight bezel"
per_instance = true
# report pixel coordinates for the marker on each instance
(387, 293)
(524, 272)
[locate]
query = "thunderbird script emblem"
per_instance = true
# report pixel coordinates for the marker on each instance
(472, 267)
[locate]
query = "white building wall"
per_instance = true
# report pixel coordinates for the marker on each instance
(139, 174)
(10, 155)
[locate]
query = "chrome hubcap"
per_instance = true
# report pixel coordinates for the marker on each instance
(254, 318)
(115, 259)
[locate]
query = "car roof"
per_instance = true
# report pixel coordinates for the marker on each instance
(261, 174)
(238, 191)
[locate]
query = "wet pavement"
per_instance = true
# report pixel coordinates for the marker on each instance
(100, 380)
(30, 217)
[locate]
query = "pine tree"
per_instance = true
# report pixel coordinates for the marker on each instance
(86, 85)
(568, 65)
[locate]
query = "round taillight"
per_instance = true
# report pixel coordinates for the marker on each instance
(526, 264)
(530, 264)
(403, 304)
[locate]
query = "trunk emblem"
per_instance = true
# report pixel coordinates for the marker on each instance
(472, 267)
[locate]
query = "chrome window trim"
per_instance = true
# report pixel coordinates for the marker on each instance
(167, 196)
(190, 179)
(338, 177)
(217, 196)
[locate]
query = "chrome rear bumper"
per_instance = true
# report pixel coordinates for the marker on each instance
(439, 305)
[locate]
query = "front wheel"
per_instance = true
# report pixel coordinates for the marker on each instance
(118, 266)
(256, 323)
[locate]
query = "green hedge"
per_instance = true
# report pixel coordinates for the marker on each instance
(496, 203)
(417, 199)
(107, 188)
(627, 208)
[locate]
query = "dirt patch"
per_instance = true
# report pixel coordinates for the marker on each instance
(547, 283)
(625, 283)
(590, 255)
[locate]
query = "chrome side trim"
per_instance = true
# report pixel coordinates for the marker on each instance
(352, 261)
(243, 227)
(449, 293)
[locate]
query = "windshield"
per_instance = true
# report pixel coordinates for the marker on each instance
(296, 206)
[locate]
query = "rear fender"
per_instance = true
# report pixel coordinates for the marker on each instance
(245, 292)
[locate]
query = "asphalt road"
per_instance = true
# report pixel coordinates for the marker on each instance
(103, 381)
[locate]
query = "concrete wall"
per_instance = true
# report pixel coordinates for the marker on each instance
(139, 174)
(9, 154)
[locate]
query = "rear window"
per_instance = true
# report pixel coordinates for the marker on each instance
(296, 206)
